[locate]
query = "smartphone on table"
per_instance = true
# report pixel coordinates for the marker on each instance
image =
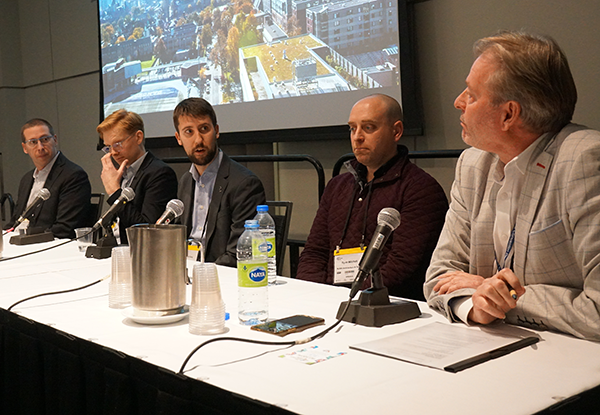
(288, 325)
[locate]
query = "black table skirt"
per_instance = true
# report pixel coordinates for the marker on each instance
(46, 371)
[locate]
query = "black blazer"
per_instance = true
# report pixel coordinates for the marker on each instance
(68, 206)
(236, 194)
(154, 184)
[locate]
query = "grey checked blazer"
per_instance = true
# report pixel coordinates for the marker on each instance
(557, 234)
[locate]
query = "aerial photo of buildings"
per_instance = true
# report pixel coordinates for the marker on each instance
(157, 52)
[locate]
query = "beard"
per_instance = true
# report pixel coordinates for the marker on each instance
(205, 158)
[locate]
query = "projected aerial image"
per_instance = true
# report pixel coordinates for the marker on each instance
(157, 53)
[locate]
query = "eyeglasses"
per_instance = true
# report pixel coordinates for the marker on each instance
(34, 141)
(118, 146)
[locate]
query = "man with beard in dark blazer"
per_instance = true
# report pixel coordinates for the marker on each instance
(219, 194)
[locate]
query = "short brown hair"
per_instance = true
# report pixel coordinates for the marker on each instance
(34, 122)
(194, 107)
(128, 121)
(533, 71)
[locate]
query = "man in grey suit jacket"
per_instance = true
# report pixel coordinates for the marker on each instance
(521, 240)
(218, 194)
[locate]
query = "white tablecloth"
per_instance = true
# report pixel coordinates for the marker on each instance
(523, 382)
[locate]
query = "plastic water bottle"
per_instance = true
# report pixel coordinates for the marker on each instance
(266, 224)
(253, 300)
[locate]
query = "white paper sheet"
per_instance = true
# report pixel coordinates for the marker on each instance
(441, 345)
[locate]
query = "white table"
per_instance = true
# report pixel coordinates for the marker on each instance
(523, 382)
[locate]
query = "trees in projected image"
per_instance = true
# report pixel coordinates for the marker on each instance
(158, 52)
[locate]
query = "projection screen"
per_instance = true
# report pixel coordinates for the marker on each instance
(266, 65)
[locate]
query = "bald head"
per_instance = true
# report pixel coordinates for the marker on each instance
(375, 127)
(391, 107)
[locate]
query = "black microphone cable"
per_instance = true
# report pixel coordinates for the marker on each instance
(387, 218)
(57, 292)
(265, 342)
(45, 249)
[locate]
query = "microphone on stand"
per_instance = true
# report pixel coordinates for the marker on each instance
(174, 210)
(103, 247)
(127, 195)
(32, 235)
(388, 220)
(42, 195)
(374, 308)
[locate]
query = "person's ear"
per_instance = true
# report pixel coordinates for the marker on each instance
(510, 115)
(139, 137)
(398, 130)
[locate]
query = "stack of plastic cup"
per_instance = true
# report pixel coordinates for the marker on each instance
(207, 311)
(119, 288)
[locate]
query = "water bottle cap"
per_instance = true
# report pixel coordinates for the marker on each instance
(251, 224)
(262, 208)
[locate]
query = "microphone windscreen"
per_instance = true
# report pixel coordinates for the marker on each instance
(176, 206)
(128, 193)
(44, 194)
(390, 217)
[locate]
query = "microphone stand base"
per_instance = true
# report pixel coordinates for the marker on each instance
(374, 309)
(32, 236)
(102, 249)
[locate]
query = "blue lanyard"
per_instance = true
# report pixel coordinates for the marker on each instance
(507, 254)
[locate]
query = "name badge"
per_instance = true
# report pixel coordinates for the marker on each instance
(116, 230)
(195, 251)
(346, 264)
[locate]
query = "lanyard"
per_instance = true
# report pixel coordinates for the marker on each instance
(508, 254)
(368, 200)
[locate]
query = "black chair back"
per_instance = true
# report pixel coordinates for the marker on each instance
(281, 212)
(96, 209)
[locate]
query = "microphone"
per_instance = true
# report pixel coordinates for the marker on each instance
(127, 195)
(174, 210)
(388, 220)
(42, 195)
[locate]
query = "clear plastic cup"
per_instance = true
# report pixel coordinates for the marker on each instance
(119, 288)
(85, 237)
(207, 311)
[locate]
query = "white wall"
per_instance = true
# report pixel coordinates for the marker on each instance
(12, 103)
(446, 31)
(49, 68)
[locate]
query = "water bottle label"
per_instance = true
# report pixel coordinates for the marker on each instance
(252, 275)
(271, 246)
(258, 249)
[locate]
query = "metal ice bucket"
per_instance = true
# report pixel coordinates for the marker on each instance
(158, 269)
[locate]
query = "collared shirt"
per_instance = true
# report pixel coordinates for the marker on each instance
(126, 180)
(131, 171)
(205, 185)
(511, 178)
(39, 179)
